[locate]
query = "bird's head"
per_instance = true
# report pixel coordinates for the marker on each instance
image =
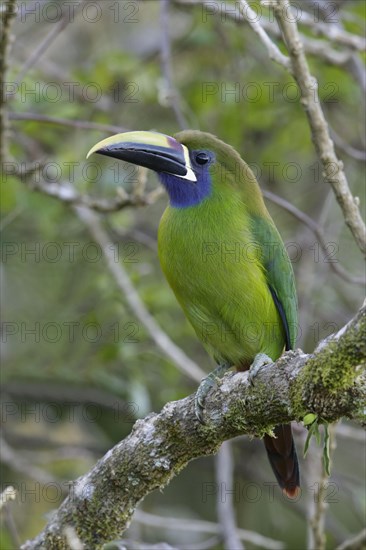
(190, 165)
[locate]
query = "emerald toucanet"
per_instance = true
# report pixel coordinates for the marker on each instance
(224, 259)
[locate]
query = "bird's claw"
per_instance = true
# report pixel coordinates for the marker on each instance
(203, 389)
(201, 394)
(260, 360)
(198, 409)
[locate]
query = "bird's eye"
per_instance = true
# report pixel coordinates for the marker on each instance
(202, 158)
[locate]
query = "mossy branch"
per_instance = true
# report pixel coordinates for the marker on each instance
(331, 383)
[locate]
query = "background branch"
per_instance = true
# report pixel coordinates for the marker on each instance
(224, 503)
(169, 92)
(201, 526)
(131, 70)
(162, 340)
(102, 502)
(319, 48)
(310, 100)
(318, 232)
(72, 123)
(9, 10)
(46, 43)
(354, 543)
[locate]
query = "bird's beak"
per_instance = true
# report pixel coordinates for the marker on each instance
(158, 152)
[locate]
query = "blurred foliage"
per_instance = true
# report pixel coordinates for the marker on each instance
(69, 340)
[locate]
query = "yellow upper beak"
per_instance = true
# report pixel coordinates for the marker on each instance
(156, 151)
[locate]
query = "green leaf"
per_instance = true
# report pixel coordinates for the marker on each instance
(317, 435)
(309, 419)
(326, 450)
(306, 446)
(312, 421)
(313, 431)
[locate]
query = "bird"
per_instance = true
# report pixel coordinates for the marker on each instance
(225, 261)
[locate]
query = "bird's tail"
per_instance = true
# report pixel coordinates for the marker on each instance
(282, 456)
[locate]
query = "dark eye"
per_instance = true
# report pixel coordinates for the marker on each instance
(202, 158)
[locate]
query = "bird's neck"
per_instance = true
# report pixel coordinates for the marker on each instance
(183, 193)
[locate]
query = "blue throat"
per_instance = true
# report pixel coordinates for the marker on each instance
(183, 193)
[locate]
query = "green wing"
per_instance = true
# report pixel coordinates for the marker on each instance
(279, 274)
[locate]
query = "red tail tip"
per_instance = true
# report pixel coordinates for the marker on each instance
(292, 492)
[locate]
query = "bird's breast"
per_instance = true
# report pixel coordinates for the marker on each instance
(213, 265)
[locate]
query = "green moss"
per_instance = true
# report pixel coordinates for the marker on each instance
(297, 397)
(325, 373)
(332, 371)
(236, 418)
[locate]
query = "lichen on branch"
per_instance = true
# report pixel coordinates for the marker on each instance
(101, 503)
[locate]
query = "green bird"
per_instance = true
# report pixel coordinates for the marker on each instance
(224, 259)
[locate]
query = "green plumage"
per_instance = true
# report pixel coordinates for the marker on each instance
(224, 260)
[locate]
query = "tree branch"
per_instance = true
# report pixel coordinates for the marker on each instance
(81, 124)
(203, 526)
(224, 466)
(161, 339)
(297, 65)
(319, 48)
(354, 153)
(318, 231)
(66, 193)
(169, 94)
(46, 43)
(333, 167)
(333, 32)
(355, 543)
(7, 17)
(318, 506)
(273, 51)
(331, 383)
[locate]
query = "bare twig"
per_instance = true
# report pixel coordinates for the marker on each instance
(317, 521)
(7, 17)
(318, 232)
(273, 51)
(131, 544)
(333, 167)
(13, 214)
(17, 463)
(63, 393)
(162, 340)
(66, 193)
(136, 234)
(357, 154)
(139, 184)
(159, 546)
(9, 494)
(224, 503)
(171, 94)
(332, 32)
(357, 542)
(11, 526)
(201, 526)
(82, 124)
(320, 48)
(311, 475)
(46, 42)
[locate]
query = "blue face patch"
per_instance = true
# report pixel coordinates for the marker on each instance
(183, 193)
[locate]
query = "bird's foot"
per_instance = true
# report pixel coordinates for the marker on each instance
(260, 360)
(205, 386)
